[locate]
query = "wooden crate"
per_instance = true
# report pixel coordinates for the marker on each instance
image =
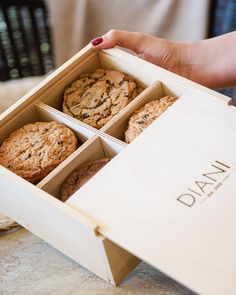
(166, 198)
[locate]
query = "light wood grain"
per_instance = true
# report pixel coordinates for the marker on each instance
(64, 228)
(47, 113)
(193, 244)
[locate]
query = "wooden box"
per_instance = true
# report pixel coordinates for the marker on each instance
(167, 198)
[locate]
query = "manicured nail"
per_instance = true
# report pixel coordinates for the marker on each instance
(97, 41)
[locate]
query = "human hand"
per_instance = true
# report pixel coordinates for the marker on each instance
(205, 62)
(167, 54)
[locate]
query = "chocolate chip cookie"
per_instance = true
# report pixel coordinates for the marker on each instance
(36, 149)
(96, 98)
(80, 176)
(145, 115)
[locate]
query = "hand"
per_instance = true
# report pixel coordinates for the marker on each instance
(207, 62)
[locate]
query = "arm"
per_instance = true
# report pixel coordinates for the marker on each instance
(211, 62)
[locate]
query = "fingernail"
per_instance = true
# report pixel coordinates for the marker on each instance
(97, 41)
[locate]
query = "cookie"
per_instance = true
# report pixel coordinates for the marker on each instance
(80, 176)
(36, 149)
(96, 98)
(145, 115)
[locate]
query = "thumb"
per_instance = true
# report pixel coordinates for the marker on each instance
(129, 40)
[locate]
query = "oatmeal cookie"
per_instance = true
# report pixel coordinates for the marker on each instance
(145, 115)
(80, 176)
(36, 149)
(96, 98)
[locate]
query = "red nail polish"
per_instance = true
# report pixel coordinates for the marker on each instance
(97, 41)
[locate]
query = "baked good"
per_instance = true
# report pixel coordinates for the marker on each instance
(96, 98)
(145, 115)
(80, 176)
(36, 149)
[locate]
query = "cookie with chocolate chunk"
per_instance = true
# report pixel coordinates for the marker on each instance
(96, 98)
(35, 149)
(145, 115)
(80, 176)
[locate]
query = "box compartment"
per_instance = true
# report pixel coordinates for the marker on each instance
(118, 125)
(99, 59)
(42, 113)
(96, 148)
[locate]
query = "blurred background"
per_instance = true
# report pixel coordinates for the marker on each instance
(37, 36)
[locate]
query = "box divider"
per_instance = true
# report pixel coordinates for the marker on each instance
(92, 150)
(66, 119)
(66, 162)
(117, 126)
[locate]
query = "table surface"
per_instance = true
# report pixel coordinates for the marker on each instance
(29, 265)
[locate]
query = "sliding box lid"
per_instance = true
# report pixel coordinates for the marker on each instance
(169, 197)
